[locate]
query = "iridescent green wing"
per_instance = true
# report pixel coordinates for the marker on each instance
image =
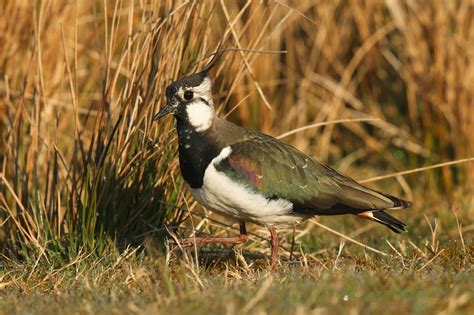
(278, 170)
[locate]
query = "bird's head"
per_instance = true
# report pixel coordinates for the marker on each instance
(190, 98)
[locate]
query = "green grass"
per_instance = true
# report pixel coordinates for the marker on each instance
(355, 283)
(423, 273)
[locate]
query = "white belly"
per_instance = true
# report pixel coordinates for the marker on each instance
(220, 194)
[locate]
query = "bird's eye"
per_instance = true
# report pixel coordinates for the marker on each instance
(188, 95)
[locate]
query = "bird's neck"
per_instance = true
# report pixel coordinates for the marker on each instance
(200, 114)
(196, 151)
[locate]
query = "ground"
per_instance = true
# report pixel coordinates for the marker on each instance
(420, 276)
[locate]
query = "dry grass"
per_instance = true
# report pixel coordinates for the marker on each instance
(372, 87)
(342, 278)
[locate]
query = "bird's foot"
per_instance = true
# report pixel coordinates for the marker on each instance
(200, 241)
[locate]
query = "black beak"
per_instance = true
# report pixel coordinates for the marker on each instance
(168, 109)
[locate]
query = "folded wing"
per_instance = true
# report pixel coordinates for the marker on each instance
(280, 171)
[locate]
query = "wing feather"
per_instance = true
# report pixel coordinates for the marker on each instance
(278, 170)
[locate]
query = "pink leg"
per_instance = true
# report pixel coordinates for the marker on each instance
(275, 246)
(199, 241)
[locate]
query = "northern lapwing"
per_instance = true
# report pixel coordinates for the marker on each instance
(249, 176)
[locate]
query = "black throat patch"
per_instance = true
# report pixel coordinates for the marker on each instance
(196, 151)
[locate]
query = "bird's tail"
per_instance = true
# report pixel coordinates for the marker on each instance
(386, 219)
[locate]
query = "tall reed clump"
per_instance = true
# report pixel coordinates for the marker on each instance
(84, 162)
(85, 167)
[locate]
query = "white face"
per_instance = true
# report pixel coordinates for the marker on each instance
(199, 106)
(200, 115)
(202, 91)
